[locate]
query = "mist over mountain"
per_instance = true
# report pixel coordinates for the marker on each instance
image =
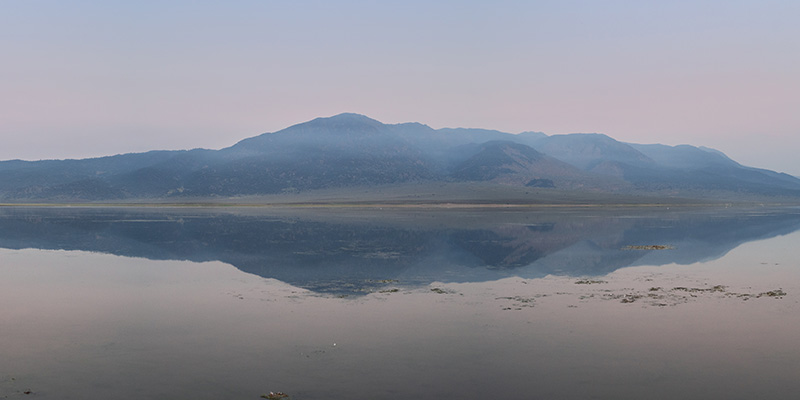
(353, 151)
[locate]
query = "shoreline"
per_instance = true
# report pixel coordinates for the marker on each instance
(393, 205)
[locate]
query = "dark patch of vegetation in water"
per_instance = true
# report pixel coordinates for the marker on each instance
(716, 288)
(589, 282)
(778, 294)
(649, 247)
(275, 396)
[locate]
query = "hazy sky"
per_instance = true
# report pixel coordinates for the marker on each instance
(91, 78)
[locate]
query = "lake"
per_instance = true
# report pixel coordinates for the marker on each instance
(347, 303)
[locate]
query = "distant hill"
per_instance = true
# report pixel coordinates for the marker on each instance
(588, 151)
(354, 151)
(510, 163)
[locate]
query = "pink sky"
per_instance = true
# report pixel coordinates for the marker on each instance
(92, 78)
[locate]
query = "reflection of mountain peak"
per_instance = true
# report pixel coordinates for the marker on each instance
(334, 253)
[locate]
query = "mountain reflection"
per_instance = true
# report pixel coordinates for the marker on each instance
(357, 251)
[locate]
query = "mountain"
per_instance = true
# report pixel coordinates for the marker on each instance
(684, 156)
(510, 163)
(349, 151)
(589, 151)
(346, 150)
(687, 167)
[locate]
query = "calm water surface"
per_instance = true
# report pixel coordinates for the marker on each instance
(370, 304)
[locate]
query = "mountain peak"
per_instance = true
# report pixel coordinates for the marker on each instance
(345, 122)
(347, 118)
(586, 150)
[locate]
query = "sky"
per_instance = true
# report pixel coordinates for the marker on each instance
(93, 78)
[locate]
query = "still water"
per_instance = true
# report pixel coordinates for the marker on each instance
(380, 304)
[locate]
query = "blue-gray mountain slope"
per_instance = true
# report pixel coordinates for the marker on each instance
(351, 150)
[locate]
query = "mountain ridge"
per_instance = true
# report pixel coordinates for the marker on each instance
(352, 150)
